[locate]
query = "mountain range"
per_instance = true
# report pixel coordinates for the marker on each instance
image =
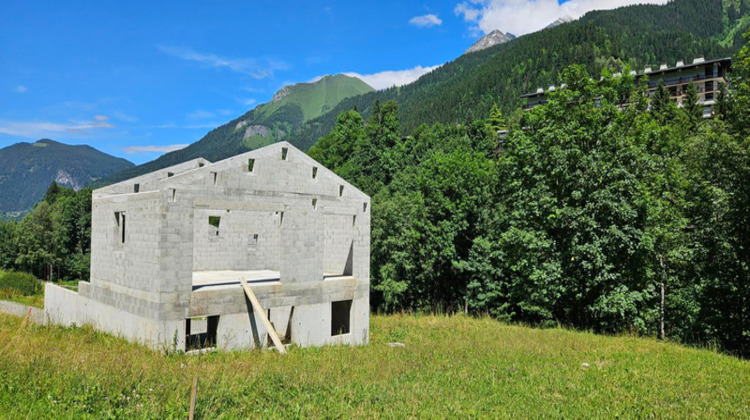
(560, 21)
(290, 107)
(27, 169)
(498, 37)
(465, 89)
(493, 38)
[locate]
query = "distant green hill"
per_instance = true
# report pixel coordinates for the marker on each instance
(27, 169)
(267, 123)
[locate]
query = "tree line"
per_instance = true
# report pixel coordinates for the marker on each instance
(604, 209)
(53, 240)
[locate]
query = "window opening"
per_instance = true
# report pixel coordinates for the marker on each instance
(341, 313)
(364, 207)
(201, 164)
(170, 174)
(284, 151)
(315, 172)
(200, 333)
(214, 221)
(250, 165)
(122, 227)
(136, 187)
(315, 203)
(341, 190)
(174, 195)
(214, 175)
(120, 221)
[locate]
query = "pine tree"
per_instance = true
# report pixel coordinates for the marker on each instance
(497, 121)
(692, 107)
(662, 106)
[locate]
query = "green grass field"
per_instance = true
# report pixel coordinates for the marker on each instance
(451, 367)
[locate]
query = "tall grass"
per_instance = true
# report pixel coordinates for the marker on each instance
(15, 284)
(450, 367)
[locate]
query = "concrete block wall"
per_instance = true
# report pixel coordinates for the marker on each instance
(150, 181)
(245, 240)
(361, 251)
(311, 317)
(134, 263)
(307, 219)
(68, 308)
(302, 250)
(338, 241)
(310, 326)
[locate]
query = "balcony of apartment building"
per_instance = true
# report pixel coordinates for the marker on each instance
(706, 76)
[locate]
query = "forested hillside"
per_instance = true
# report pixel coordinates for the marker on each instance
(466, 88)
(27, 169)
(588, 215)
(263, 125)
(638, 36)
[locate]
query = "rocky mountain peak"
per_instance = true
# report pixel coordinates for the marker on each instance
(560, 21)
(493, 38)
(281, 94)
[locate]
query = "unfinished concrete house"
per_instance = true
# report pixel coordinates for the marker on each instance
(169, 249)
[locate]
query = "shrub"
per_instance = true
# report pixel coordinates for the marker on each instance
(20, 283)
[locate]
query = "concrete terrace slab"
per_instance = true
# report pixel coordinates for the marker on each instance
(218, 279)
(231, 277)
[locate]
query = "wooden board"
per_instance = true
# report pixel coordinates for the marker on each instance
(262, 313)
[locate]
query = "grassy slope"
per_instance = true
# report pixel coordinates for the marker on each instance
(317, 98)
(450, 367)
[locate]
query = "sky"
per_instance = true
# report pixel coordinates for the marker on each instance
(136, 79)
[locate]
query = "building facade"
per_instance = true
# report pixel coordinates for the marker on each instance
(169, 249)
(706, 76)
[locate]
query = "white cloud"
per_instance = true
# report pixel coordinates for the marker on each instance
(524, 16)
(21, 89)
(248, 66)
(246, 101)
(425, 21)
(390, 78)
(470, 13)
(38, 129)
(131, 150)
(101, 118)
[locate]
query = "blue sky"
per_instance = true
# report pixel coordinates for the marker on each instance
(135, 78)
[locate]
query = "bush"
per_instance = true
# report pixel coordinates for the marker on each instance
(20, 283)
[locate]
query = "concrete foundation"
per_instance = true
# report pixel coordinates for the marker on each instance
(169, 248)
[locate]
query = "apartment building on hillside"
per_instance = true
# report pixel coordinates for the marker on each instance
(706, 75)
